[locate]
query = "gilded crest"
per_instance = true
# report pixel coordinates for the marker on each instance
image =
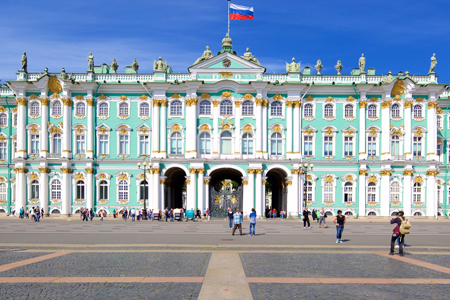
(276, 128)
(54, 85)
(398, 88)
(277, 97)
(176, 127)
(226, 94)
(176, 96)
(205, 96)
(143, 97)
(248, 96)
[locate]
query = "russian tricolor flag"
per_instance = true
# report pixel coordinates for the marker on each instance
(240, 12)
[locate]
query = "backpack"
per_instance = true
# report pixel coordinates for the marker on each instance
(405, 226)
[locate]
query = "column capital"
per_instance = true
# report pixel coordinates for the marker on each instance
(44, 101)
(206, 181)
(386, 104)
(66, 170)
(90, 102)
(237, 103)
(432, 173)
(363, 172)
(89, 170)
(408, 104)
(386, 172)
(44, 170)
(408, 172)
(67, 102)
(216, 103)
(21, 101)
(362, 104)
(20, 170)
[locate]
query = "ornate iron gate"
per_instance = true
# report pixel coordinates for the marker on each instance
(220, 201)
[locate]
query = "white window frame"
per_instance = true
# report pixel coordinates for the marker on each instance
(333, 110)
(181, 115)
(282, 139)
(30, 135)
(4, 148)
(395, 194)
(123, 105)
(182, 143)
(225, 113)
(30, 112)
(352, 193)
(101, 116)
(422, 114)
(252, 140)
(79, 115)
(439, 122)
(58, 193)
(107, 133)
(33, 186)
(141, 116)
(99, 179)
(54, 114)
(200, 112)
(252, 108)
(400, 111)
(82, 138)
(76, 185)
(353, 116)
(333, 188)
(127, 181)
(200, 139)
(353, 142)
(230, 138)
(400, 145)
(372, 142)
(313, 110)
(312, 141)
(377, 114)
(372, 188)
(416, 194)
(280, 108)
(333, 135)
(422, 145)
(440, 193)
(144, 134)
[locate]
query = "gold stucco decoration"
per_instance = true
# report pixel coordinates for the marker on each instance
(397, 132)
(363, 172)
(102, 97)
(418, 179)
(79, 97)
(373, 179)
(362, 104)
(80, 129)
(226, 75)
(386, 104)
(329, 178)
(67, 102)
(349, 178)
(226, 126)
(350, 99)
(408, 104)
(175, 96)
(55, 96)
(397, 98)
(373, 99)
(385, 172)
(123, 98)
(143, 97)
(248, 128)
(123, 176)
(176, 127)
(79, 176)
(309, 98)
(21, 101)
(89, 170)
(54, 85)
(277, 97)
(204, 128)
(276, 128)
(33, 176)
(398, 88)
(216, 103)
(419, 99)
(418, 132)
(309, 131)
(123, 129)
(248, 96)
(205, 96)
(34, 129)
(329, 131)
(44, 101)
(329, 99)
(431, 105)
(66, 170)
(237, 103)
(226, 94)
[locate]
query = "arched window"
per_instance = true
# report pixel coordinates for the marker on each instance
(276, 144)
(80, 190)
(417, 214)
(395, 110)
(56, 189)
(123, 109)
(309, 191)
(3, 192)
(247, 144)
(225, 142)
(309, 113)
(276, 108)
(417, 193)
(34, 109)
(143, 190)
(103, 190)
(372, 214)
(56, 108)
(176, 143)
(103, 110)
(176, 108)
(247, 108)
(372, 111)
(328, 192)
(144, 110)
(34, 189)
(80, 109)
(348, 192)
(123, 190)
(349, 111)
(372, 192)
(328, 110)
(395, 192)
(205, 107)
(348, 213)
(417, 111)
(395, 145)
(205, 143)
(226, 108)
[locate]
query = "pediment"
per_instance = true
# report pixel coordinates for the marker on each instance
(236, 64)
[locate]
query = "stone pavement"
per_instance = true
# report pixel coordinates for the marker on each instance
(240, 267)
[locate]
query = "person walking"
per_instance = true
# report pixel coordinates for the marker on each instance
(42, 213)
(171, 215)
(101, 215)
(32, 217)
(91, 212)
(114, 213)
(306, 218)
(396, 233)
(133, 215)
(237, 217)
(322, 217)
(314, 215)
(21, 212)
(230, 218)
(339, 221)
(252, 222)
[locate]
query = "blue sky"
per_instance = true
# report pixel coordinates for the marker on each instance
(393, 35)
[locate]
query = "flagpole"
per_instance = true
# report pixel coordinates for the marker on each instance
(228, 17)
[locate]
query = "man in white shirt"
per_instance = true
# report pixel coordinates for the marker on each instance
(133, 214)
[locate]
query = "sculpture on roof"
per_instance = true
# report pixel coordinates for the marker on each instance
(135, 66)
(388, 79)
(63, 74)
(227, 42)
(114, 65)
(433, 63)
(249, 56)
(318, 66)
(90, 59)
(338, 67)
(24, 62)
(207, 54)
(362, 63)
(293, 67)
(160, 66)
(46, 70)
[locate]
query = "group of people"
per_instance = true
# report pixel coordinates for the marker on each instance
(235, 221)
(34, 214)
(318, 216)
(272, 213)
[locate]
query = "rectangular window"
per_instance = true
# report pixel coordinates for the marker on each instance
(81, 143)
(123, 144)
(144, 144)
(417, 146)
(348, 146)
(247, 146)
(80, 191)
(3, 153)
(35, 144)
(328, 146)
(307, 145)
(372, 146)
(103, 147)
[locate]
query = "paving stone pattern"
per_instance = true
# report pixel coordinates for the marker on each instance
(269, 291)
(110, 264)
(326, 265)
(56, 291)
(440, 260)
(7, 257)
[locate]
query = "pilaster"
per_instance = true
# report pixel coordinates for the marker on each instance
(201, 190)
(155, 129)
(43, 189)
(206, 181)
(408, 129)
(258, 193)
(385, 191)
(259, 127)
(249, 192)
(297, 130)
(237, 130)
(289, 129)
(292, 203)
(191, 127)
(67, 128)
(90, 129)
(215, 133)
(385, 127)
(44, 126)
(163, 131)
(21, 128)
(362, 191)
(66, 189)
(407, 188)
(156, 202)
(90, 187)
(362, 126)
(432, 128)
(21, 188)
(431, 197)
(264, 127)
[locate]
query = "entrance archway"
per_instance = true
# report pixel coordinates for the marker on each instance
(175, 188)
(225, 191)
(276, 191)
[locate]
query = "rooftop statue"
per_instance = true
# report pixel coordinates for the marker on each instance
(70, 76)
(293, 67)
(318, 67)
(24, 62)
(135, 66)
(433, 63)
(160, 66)
(46, 70)
(338, 67)
(90, 59)
(227, 42)
(207, 54)
(63, 74)
(114, 66)
(249, 56)
(388, 79)
(362, 63)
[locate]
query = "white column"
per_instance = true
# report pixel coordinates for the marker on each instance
(163, 131)
(362, 128)
(151, 195)
(191, 201)
(43, 189)
(191, 128)
(362, 193)
(90, 129)
(44, 127)
(67, 129)
(21, 189)
(384, 194)
(65, 191)
(408, 129)
(155, 131)
(259, 128)
(431, 195)
(90, 188)
(200, 190)
(297, 129)
(264, 127)
(292, 203)
(206, 194)
(432, 130)
(385, 128)
(215, 134)
(407, 202)
(258, 193)
(289, 129)
(249, 191)
(237, 128)
(156, 203)
(162, 188)
(21, 130)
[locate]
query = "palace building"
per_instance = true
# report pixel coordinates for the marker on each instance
(225, 134)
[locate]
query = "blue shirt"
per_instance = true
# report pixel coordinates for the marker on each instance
(237, 218)
(252, 217)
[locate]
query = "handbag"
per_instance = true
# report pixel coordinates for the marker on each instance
(396, 231)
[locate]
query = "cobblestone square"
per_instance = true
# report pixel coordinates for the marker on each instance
(7, 257)
(441, 260)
